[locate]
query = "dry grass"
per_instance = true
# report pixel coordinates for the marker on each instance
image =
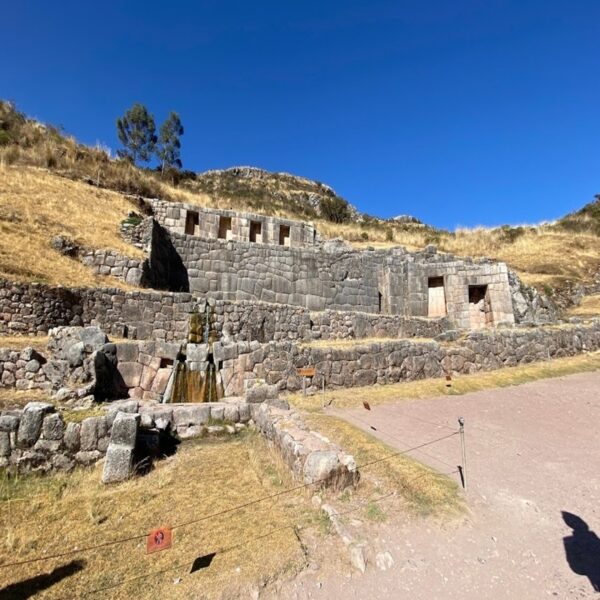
(589, 307)
(20, 342)
(461, 384)
(352, 343)
(420, 489)
(12, 398)
(35, 206)
(66, 511)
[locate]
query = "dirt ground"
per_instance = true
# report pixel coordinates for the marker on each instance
(533, 483)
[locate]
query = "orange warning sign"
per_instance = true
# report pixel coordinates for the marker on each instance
(159, 539)
(307, 372)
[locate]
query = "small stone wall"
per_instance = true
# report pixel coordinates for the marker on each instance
(37, 438)
(248, 321)
(110, 262)
(32, 309)
(312, 458)
(23, 369)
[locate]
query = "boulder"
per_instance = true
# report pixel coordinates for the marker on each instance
(30, 425)
(119, 455)
(53, 427)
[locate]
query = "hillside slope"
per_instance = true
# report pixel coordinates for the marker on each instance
(50, 185)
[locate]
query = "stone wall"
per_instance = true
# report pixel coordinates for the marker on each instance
(34, 309)
(30, 309)
(264, 322)
(110, 262)
(396, 361)
(392, 282)
(23, 369)
(210, 223)
(37, 438)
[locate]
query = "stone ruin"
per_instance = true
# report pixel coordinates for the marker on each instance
(235, 301)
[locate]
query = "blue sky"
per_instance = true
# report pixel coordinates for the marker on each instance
(461, 113)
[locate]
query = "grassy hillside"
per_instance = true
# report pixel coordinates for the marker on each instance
(35, 206)
(50, 184)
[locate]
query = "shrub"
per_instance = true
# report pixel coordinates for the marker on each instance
(389, 235)
(335, 210)
(510, 234)
(365, 236)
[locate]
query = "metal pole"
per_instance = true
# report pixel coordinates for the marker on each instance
(461, 423)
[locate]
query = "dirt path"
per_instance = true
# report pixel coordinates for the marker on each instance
(533, 452)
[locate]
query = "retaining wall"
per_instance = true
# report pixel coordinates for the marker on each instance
(403, 360)
(390, 282)
(31, 309)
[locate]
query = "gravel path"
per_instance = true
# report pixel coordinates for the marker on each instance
(533, 452)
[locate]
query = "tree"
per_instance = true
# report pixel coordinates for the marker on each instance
(169, 144)
(335, 209)
(137, 133)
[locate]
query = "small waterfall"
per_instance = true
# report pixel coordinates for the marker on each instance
(196, 377)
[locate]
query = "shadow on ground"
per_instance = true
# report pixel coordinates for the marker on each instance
(29, 587)
(582, 549)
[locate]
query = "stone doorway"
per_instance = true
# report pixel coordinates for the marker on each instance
(480, 307)
(436, 297)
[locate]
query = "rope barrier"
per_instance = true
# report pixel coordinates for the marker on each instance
(215, 514)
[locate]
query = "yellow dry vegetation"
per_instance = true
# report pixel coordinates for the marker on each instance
(35, 206)
(20, 342)
(352, 343)
(53, 514)
(589, 307)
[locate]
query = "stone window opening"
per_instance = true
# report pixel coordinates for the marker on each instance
(255, 231)
(380, 301)
(166, 362)
(192, 222)
(284, 235)
(436, 297)
(480, 307)
(225, 230)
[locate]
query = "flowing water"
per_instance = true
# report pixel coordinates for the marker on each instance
(197, 385)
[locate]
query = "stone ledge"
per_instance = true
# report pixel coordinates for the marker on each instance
(312, 458)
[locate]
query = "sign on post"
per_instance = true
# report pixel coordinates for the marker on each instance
(307, 372)
(159, 539)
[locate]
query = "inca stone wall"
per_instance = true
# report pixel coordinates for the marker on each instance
(31, 309)
(396, 361)
(393, 282)
(248, 321)
(231, 225)
(34, 309)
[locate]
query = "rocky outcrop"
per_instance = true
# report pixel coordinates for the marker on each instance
(529, 306)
